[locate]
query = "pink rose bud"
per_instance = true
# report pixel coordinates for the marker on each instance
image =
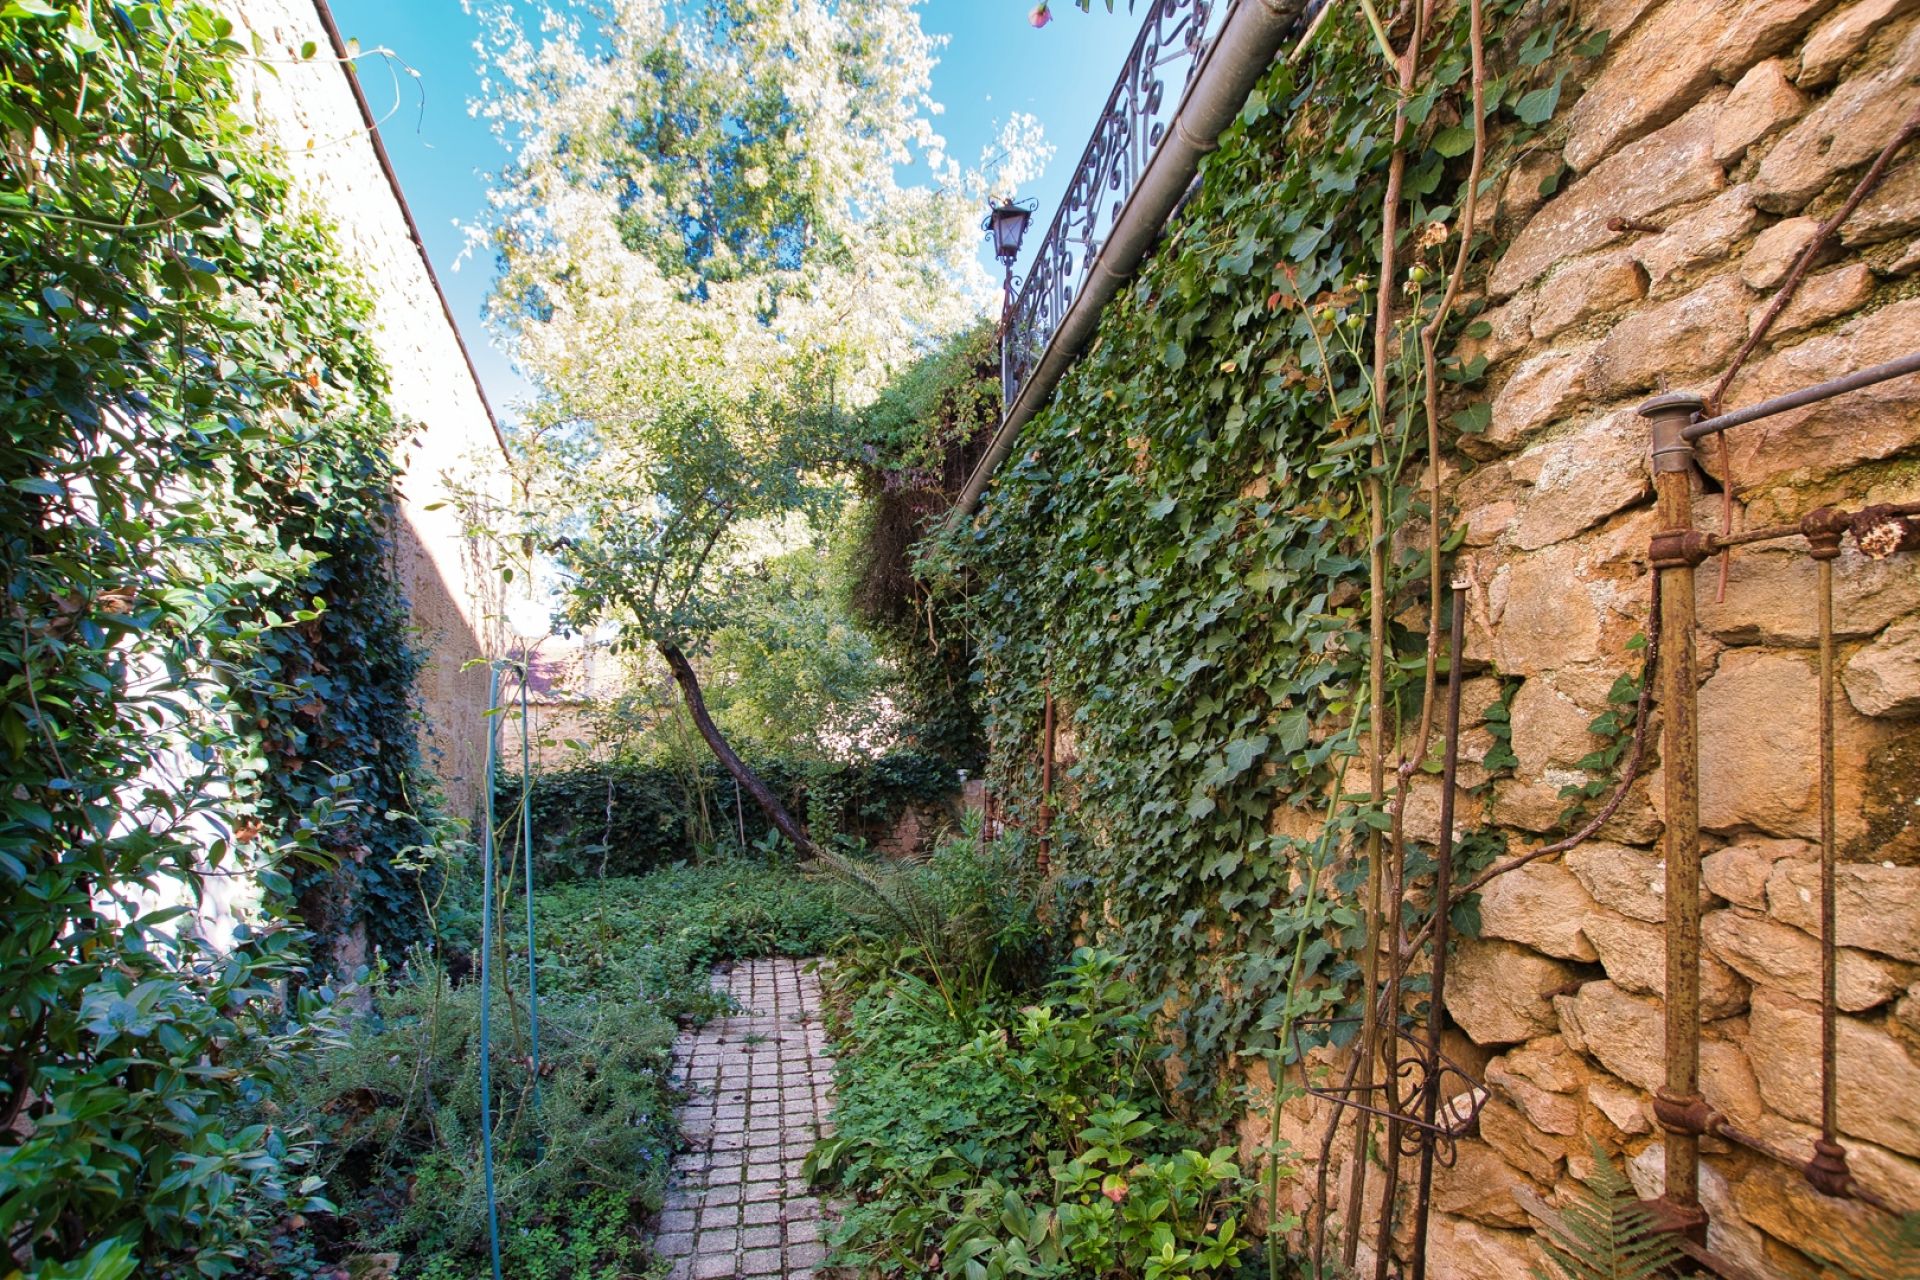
(1041, 15)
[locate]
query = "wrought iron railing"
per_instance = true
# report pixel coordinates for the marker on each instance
(1173, 35)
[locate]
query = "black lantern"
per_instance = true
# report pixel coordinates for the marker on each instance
(1007, 222)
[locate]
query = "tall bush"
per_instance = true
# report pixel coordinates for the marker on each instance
(628, 817)
(203, 668)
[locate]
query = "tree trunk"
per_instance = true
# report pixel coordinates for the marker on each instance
(683, 675)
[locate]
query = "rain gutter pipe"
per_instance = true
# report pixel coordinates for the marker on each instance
(1249, 38)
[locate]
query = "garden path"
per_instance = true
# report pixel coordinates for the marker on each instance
(761, 1086)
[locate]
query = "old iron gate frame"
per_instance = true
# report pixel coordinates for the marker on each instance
(1677, 549)
(1409, 1099)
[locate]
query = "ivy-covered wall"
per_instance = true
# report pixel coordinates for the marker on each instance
(1181, 544)
(206, 663)
(448, 446)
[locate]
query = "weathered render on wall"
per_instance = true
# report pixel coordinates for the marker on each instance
(1711, 143)
(307, 107)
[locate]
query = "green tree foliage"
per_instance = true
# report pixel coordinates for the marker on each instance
(203, 657)
(792, 673)
(706, 258)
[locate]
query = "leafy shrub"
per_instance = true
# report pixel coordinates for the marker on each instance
(204, 661)
(622, 963)
(956, 928)
(629, 817)
(1037, 1147)
(399, 1106)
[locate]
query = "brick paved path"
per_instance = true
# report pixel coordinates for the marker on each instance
(761, 1085)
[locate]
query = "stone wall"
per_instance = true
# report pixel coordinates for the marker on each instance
(307, 109)
(1712, 139)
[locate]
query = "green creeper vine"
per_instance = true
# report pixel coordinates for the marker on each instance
(1185, 538)
(204, 665)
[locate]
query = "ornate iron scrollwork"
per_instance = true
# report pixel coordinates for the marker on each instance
(1173, 35)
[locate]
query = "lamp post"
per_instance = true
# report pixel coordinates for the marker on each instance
(1006, 222)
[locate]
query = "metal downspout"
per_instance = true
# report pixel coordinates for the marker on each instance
(1249, 38)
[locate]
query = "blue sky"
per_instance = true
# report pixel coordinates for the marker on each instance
(995, 64)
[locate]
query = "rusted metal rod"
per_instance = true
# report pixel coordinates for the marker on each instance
(1442, 908)
(1827, 1170)
(1798, 529)
(1799, 399)
(1678, 549)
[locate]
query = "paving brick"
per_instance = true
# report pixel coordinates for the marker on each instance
(762, 1085)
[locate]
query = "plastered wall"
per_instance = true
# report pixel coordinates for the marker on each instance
(307, 109)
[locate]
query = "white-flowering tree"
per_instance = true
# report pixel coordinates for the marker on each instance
(707, 257)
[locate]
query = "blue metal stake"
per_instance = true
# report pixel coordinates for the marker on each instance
(486, 978)
(526, 839)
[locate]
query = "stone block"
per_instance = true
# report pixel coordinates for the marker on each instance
(1501, 994)
(1842, 34)
(1876, 908)
(1702, 236)
(1770, 597)
(1589, 287)
(1691, 335)
(1761, 104)
(1544, 387)
(1650, 78)
(1890, 211)
(1840, 134)
(1634, 954)
(1883, 679)
(1672, 167)
(1549, 728)
(1627, 1109)
(1581, 477)
(1821, 297)
(1776, 955)
(1479, 1186)
(1776, 249)
(1778, 1200)
(1549, 619)
(1739, 872)
(1843, 432)
(1623, 879)
(1760, 29)
(1624, 1033)
(1878, 1080)
(1540, 905)
(1503, 1128)
(1511, 331)
(1727, 1081)
(1757, 743)
(1463, 1250)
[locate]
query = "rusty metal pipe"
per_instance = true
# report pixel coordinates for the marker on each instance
(1827, 1170)
(1678, 550)
(1800, 399)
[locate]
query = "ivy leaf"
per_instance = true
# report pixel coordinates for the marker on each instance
(1473, 419)
(1455, 141)
(1160, 508)
(1538, 106)
(1241, 753)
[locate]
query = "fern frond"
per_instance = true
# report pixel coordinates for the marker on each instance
(1605, 1233)
(1887, 1250)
